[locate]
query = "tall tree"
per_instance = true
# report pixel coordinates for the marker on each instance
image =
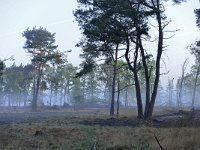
(102, 36)
(40, 44)
(126, 24)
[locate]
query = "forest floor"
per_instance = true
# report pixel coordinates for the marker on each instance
(94, 129)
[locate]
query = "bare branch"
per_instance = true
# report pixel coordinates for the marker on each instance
(169, 31)
(157, 140)
(166, 38)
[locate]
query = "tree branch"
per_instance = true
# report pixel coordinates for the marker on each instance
(157, 140)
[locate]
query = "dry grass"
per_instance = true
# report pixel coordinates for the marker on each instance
(68, 133)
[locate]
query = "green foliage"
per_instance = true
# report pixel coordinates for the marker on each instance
(77, 97)
(39, 39)
(13, 77)
(41, 45)
(87, 67)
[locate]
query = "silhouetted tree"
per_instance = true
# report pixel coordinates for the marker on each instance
(111, 25)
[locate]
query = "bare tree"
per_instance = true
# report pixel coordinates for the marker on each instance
(179, 85)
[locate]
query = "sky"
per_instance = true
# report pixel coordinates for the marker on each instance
(54, 15)
(57, 17)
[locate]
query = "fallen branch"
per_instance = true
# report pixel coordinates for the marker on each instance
(157, 140)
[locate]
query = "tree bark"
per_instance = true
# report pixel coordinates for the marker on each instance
(158, 58)
(112, 106)
(147, 77)
(35, 96)
(136, 79)
(118, 95)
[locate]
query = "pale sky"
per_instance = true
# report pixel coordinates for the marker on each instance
(56, 16)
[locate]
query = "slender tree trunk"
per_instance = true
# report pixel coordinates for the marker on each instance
(158, 58)
(35, 97)
(83, 87)
(65, 93)
(9, 100)
(147, 77)
(126, 97)
(178, 103)
(68, 93)
(50, 99)
(112, 106)
(180, 85)
(195, 85)
(170, 84)
(136, 79)
(118, 95)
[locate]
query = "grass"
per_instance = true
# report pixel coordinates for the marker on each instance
(69, 133)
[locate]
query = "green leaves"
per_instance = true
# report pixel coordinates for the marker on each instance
(39, 39)
(41, 45)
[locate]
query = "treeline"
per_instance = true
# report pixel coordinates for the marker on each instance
(60, 86)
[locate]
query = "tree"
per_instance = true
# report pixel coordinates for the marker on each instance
(125, 23)
(40, 44)
(68, 72)
(180, 82)
(25, 84)
(13, 78)
(100, 38)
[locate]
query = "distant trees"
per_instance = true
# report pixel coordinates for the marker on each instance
(40, 44)
(15, 85)
(13, 78)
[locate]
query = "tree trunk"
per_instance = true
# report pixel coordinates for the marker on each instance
(84, 87)
(126, 97)
(118, 95)
(35, 96)
(136, 79)
(112, 106)
(50, 99)
(195, 85)
(147, 76)
(180, 85)
(158, 58)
